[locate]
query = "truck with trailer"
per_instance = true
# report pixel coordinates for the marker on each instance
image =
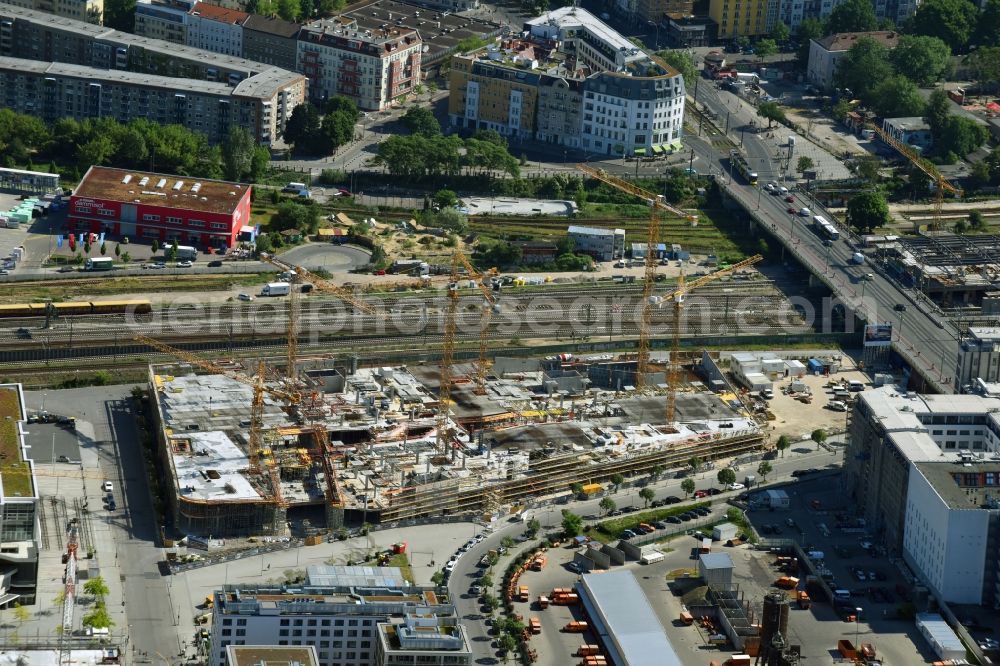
(276, 289)
(99, 264)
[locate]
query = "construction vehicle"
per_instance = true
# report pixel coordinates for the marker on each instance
(538, 562)
(522, 593)
(867, 651)
(802, 597)
(535, 625)
(787, 583)
(543, 601)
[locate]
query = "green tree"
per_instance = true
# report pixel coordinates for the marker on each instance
(607, 505)
(818, 436)
(118, 250)
(771, 111)
(337, 130)
(988, 25)
(263, 244)
(695, 463)
(289, 10)
(126, 257)
(897, 96)
(960, 226)
(656, 472)
(237, 153)
(98, 618)
(647, 495)
(491, 602)
(809, 29)
(764, 468)
(960, 136)
(951, 21)
(617, 480)
(446, 198)
(683, 63)
(438, 578)
(687, 485)
(576, 488)
(781, 32)
(572, 524)
(96, 587)
(938, 111)
(292, 215)
(923, 60)
(155, 246)
(103, 248)
(765, 48)
(303, 125)
(507, 542)
(726, 476)
(259, 163)
(867, 211)
(852, 16)
(533, 526)
(486, 581)
(421, 120)
(783, 443)
(804, 164)
(976, 221)
(507, 643)
(863, 67)
(171, 254)
(868, 168)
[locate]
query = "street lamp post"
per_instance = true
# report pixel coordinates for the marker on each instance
(857, 624)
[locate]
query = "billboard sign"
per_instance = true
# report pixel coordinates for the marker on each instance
(878, 335)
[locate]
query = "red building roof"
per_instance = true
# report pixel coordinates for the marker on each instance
(221, 14)
(124, 186)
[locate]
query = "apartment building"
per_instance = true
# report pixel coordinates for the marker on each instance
(743, 18)
(89, 11)
(827, 52)
(216, 29)
(372, 66)
(793, 12)
(163, 19)
(338, 610)
(428, 640)
(570, 80)
(925, 472)
(271, 41)
(644, 11)
(52, 90)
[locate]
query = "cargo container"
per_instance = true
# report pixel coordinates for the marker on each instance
(740, 660)
(543, 602)
(846, 649)
(522, 593)
(589, 650)
(576, 627)
(535, 625)
(652, 557)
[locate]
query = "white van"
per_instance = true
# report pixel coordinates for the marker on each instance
(842, 595)
(837, 405)
(856, 385)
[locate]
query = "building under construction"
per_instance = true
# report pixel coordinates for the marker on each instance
(363, 444)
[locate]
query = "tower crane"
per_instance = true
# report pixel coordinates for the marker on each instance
(255, 436)
(656, 204)
(926, 167)
(447, 358)
(482, 367)
(677, 295)
(295, 309)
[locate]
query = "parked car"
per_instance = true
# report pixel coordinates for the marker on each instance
(245, 297)
(671, 499)
(107, 486)
(184, 264)
(215, 264)
(698, 494)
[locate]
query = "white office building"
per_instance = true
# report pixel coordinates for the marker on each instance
(601, 244)
(925, 471)
(217, 29)
(338, 610)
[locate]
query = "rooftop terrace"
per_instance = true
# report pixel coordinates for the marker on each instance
(11, 452)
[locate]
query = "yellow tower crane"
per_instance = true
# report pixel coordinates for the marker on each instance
(927, 168)
(656, 204)
(678, 294)
(483, 366)
(255, 436)
(294, 308)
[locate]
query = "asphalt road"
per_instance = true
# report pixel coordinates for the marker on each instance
(800, 456)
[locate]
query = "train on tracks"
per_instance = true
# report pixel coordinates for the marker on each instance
(70, 308)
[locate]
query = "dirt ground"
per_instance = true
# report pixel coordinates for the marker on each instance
(798, 420)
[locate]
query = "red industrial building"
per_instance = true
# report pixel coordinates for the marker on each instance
(147, 206)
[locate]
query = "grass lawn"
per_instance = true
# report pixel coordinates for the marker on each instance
(403, 562)
(610, 529)
(14, 484)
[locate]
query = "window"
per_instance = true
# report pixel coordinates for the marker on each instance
(283, 632)
(218, 225)
(283, 623)
(241, 623)
(199, 224)
(173, 220)
(150, 218)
